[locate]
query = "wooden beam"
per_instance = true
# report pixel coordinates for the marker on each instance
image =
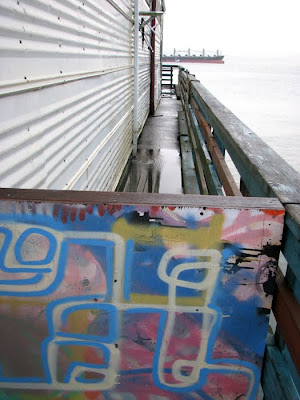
(212, 180)
(276, 381)
(230, 187)
(177, 91)
(197, 160)
(189, 178)
(287, 313)
(179, 200)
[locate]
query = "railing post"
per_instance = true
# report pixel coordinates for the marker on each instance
(244, 189)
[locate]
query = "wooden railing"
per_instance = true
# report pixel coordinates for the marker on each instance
(263, 173)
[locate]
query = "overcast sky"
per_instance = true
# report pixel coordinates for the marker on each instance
(237, 27)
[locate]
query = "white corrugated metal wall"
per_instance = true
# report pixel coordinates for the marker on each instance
(158, 54)
(66, 92)
(144, 70)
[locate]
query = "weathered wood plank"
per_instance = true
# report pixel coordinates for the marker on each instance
(277, 383)
(287, 314)
(220, 144)
(291, 251)
(291, 367)
(189, 178)
(293, 219)
(83, 197)
(224, 173)
(213, 183)
(287, 358)
(290, 247)
(197, 160)
(243, 188)
(177, 92)
(183, 81)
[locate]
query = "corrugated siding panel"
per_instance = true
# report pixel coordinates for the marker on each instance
(126, 6)
(144, 70)
(158, 44)
(66, 86)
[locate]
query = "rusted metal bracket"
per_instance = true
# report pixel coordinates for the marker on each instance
(147, 21)
(153, 15)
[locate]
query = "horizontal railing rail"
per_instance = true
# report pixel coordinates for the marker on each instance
(263, 173)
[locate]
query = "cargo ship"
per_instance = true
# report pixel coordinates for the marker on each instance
(194, 57)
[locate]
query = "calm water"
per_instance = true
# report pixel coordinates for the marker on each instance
(264, 94)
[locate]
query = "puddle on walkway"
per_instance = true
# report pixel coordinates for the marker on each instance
(154, 171)
(170, 171)
(157, 166)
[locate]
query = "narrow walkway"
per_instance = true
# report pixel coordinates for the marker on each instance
(157, 167)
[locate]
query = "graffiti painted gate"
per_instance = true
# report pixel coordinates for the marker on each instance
(117, 296)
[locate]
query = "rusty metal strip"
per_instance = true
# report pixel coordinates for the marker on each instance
(230, 187)
(287, 313)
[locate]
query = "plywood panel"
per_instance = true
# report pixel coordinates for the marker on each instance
(141, 299)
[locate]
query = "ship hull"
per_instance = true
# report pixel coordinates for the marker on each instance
(194, 59)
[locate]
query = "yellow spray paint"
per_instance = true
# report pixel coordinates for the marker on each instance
(157, 235)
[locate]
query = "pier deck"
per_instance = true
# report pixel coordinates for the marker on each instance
(157, 166)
